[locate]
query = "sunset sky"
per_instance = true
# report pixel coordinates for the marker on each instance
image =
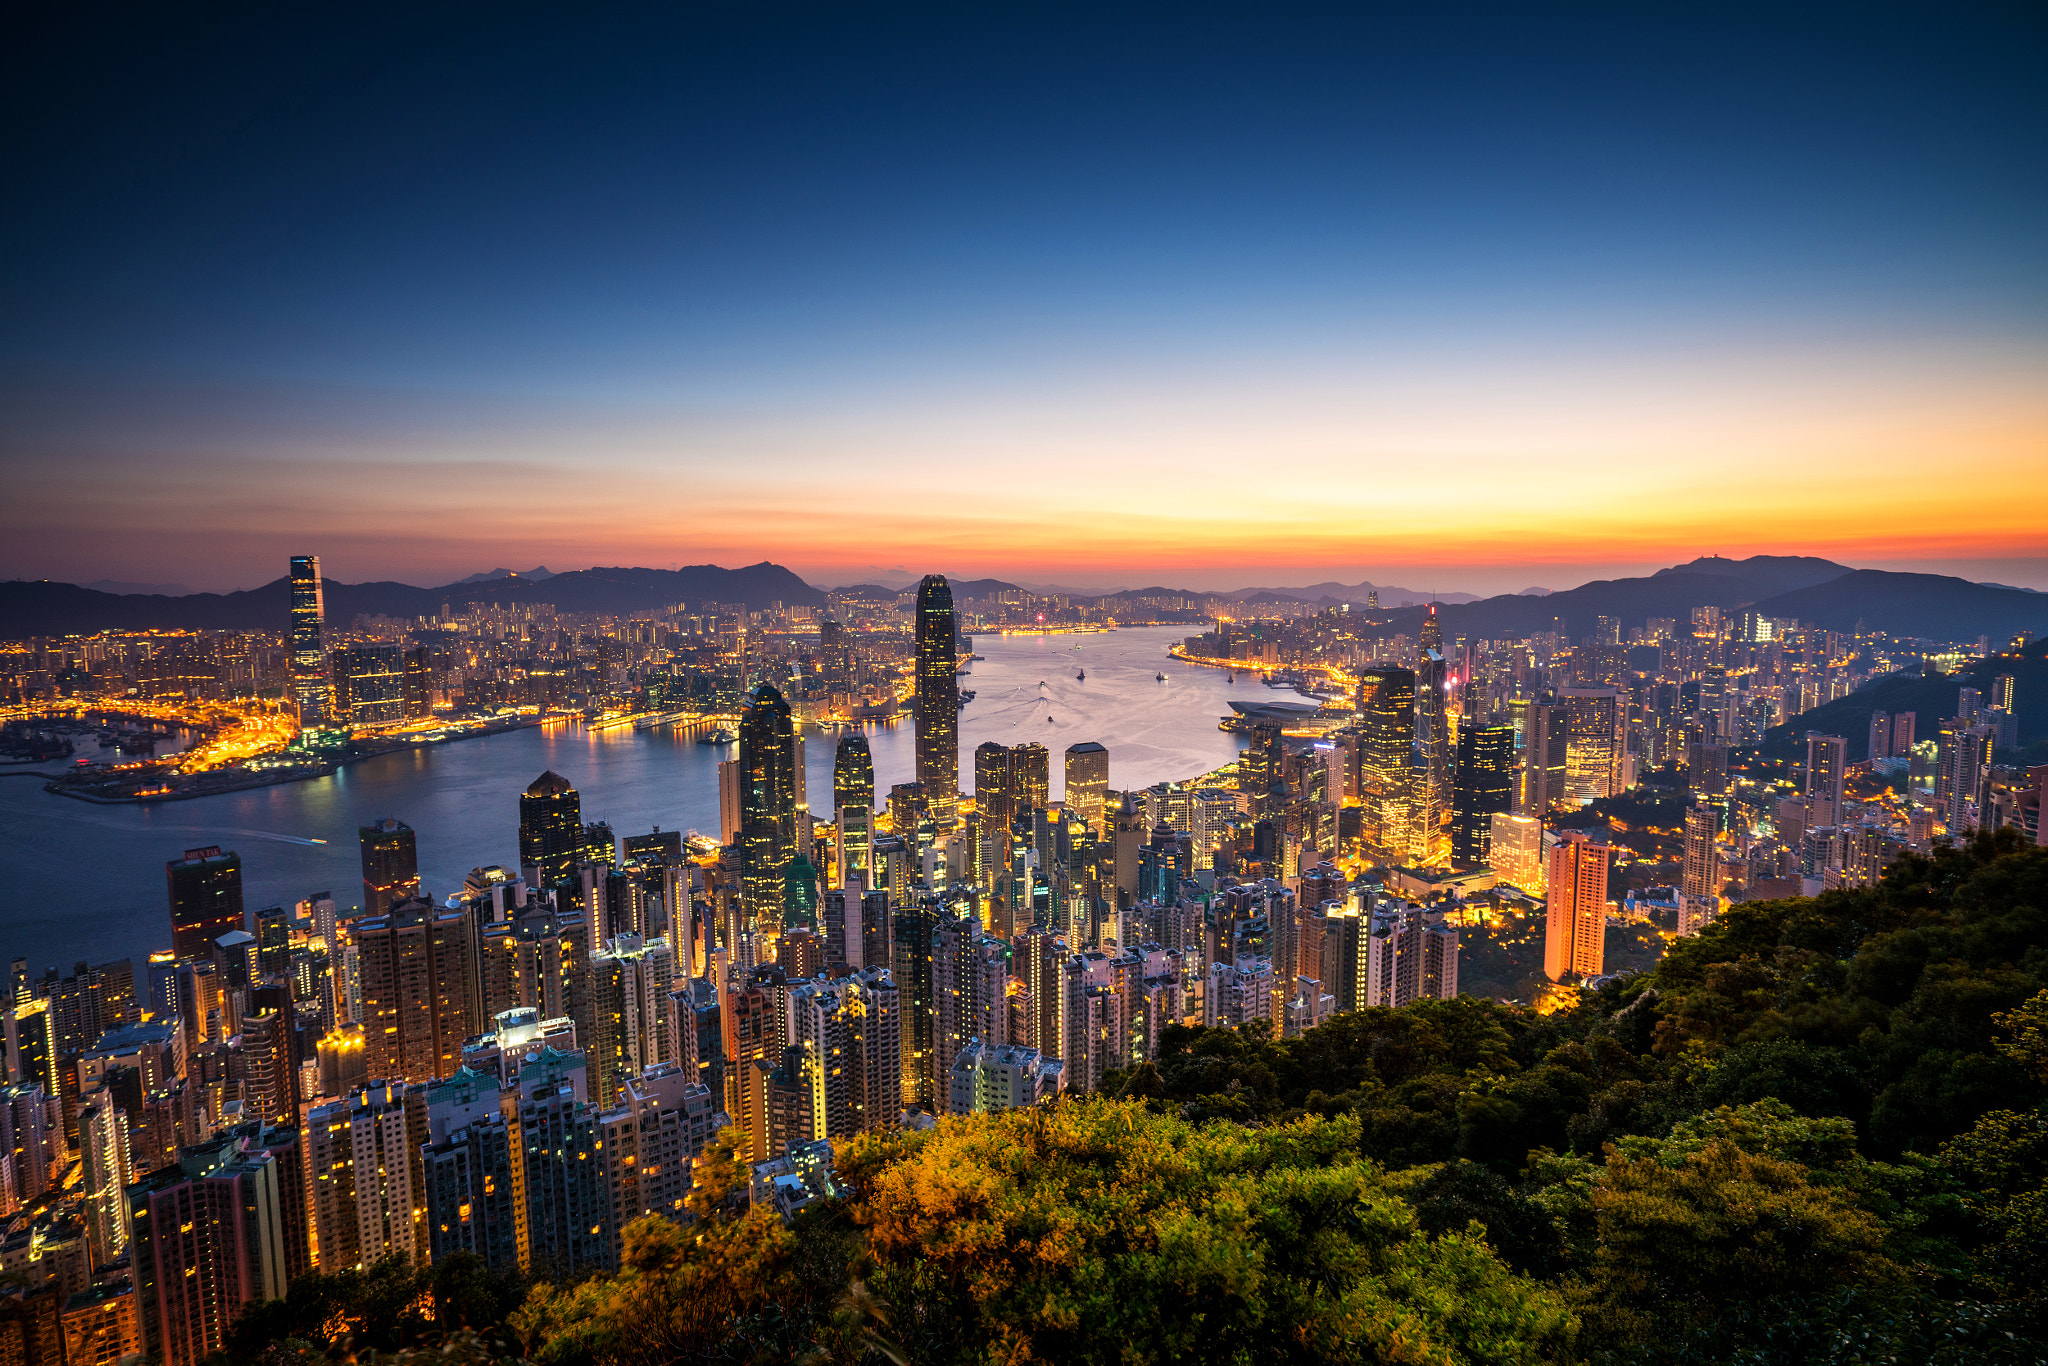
(1450, 296)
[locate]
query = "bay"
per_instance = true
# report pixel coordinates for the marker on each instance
(87, 882)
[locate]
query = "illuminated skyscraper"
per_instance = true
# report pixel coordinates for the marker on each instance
(1087, 776)
(309, 659)
(206, 900)
(550, 829)
(391, 864)
(1011, 781)
(1575, 936)
(937, 707)
(1261, 772)
(853, 773)
(1590, 717)
(1386, 709)
(1485, 787)
(368, 685)
(768, 778)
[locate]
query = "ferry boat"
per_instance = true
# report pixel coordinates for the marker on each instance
(721, 736)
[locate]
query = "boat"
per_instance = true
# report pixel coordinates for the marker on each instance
(1048, 718)
(1082, 676)
(721, 736)
(966, 696)
(1160, 677)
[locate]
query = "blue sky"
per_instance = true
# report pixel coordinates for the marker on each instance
(1059, 292)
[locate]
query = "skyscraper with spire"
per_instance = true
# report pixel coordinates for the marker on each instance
(768, 780)
(937, 707)
(1433, 753)
(309, 657)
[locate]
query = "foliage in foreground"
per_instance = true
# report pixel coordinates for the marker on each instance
(1815, 1133)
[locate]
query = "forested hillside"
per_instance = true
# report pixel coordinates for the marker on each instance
(1814, 1133)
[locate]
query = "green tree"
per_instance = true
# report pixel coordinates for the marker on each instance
(1098, 1231)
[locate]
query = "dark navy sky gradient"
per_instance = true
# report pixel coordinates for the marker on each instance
(389, 225)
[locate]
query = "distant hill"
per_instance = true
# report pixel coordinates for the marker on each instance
(1931, 605)
(1391, 595)
(1928, 606)
(536, 574)
(1765, 573)
(43, 608)
(1931, 697)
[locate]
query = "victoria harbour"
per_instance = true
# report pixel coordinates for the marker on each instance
(96, 886)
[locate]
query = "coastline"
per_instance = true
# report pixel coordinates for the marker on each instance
(221, 781)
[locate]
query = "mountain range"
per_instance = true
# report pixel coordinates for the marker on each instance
(43, 608)
(1815, 591)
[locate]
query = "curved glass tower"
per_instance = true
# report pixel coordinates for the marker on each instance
(937, 709)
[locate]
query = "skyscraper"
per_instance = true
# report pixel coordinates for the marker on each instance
(1010, 781)
(1544, 750)
(937, 707)
(206, 899)
(1575, 935)
(1087, 776)
(1433, 755)
(1386, 709)
(369, 685)
(309, 658)
(768, 779)
(1590, 716)
(391, 864)
(1261, 773)
(1485, 786)
(853, 773)
(550, 829)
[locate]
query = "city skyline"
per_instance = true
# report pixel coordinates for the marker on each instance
(1246, 300)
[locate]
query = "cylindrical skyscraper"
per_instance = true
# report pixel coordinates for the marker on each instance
(937, 710)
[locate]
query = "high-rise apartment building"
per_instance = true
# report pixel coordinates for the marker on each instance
(854, 1026)
(1575, 933)
(937, 705)
(649, 1140)
(768, 779)
(1087, 784)
(367, 1199)
(419, 982)
(853, 773)
(992, 1076)
(1410, 955)
(206, 900)
(309, 658)
(550, 830)
(630, 983)
(209, 1237)
(1827, 765)
(391, 864)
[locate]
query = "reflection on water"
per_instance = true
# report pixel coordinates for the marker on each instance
(89, 880)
